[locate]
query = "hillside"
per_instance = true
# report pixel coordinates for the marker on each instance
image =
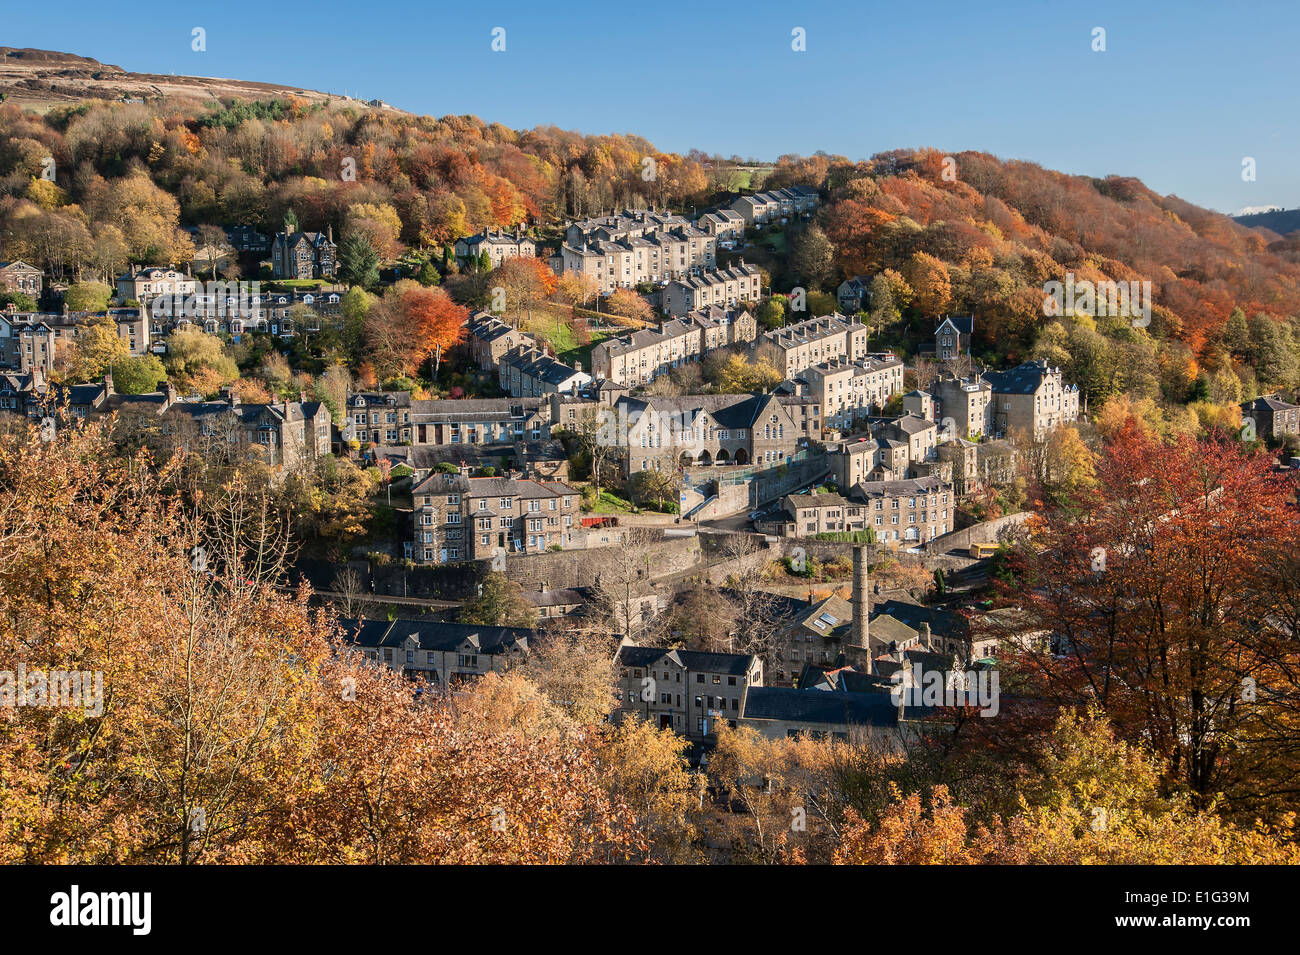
(1280, 221)
(40, 79)
(976, 235)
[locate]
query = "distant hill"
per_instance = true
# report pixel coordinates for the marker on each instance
(40, 79)
(1281, 221)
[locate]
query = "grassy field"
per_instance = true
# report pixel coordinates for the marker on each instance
(550, 324)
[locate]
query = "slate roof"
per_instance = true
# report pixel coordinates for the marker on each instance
(815, 706)
(811, 330)
(732, 664)
(1267, 403)
(1024, 379)
(729, 411)
(435, 635)
(868, 490)
(965, 324)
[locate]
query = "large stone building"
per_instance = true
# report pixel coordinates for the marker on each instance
(816, 340)
(687, 691)
(626, 250)
(286, 435)
(640, 357)
(968, 402)
(304, 255)
(457, 518)
(849, 390)
(22, 278)
(724, 287)
(702, 430)
(500, 246)
(1031, 399)
(907, 511)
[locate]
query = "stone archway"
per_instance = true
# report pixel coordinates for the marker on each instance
(722, 458)
(705, 459)
(742, 456)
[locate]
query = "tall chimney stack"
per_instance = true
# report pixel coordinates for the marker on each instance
(861, 603)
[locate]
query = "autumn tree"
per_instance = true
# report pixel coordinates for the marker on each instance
(527, 282)
(811, 256)
(928, 278)
(411, 324)
(500, 603)
(628, 304)
(95, 350)
(1150, 584)
(232, 723)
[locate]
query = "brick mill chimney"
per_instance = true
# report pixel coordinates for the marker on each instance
(859, 639)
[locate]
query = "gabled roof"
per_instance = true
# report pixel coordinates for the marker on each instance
(1025, 379)
(964, 324)
(733, 664)
(1267, 403)
(435, 635)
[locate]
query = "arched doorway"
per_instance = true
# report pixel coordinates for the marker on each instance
(705, 459)
(686, 460)
(742, 456)
(723, 457)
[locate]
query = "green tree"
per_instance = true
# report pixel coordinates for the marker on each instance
(21, 301)
(138, 376)
(87, 297)
(500, 603)
(358, 261)
(771, 314)
(428, 274)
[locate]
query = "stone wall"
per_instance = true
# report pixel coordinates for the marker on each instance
(985, 533)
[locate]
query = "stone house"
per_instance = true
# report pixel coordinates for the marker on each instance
(304, 255)
(20, 277)
(639, 357)
(687, 691)
(816, 340)
(500, 246)
(1031, 399)
(952, 337)
(1273, 418)
(726, 287)
(459, 518)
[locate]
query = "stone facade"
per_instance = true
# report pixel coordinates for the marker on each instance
(304, 255)
(640, 357)
(686, 691)
(725, 287)
(816, 340)
(458, 518)
(848, 390)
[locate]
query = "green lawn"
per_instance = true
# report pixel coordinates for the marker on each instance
(610, 503)
(552, 326)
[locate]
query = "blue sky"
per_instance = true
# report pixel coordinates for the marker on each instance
(1182, 93)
